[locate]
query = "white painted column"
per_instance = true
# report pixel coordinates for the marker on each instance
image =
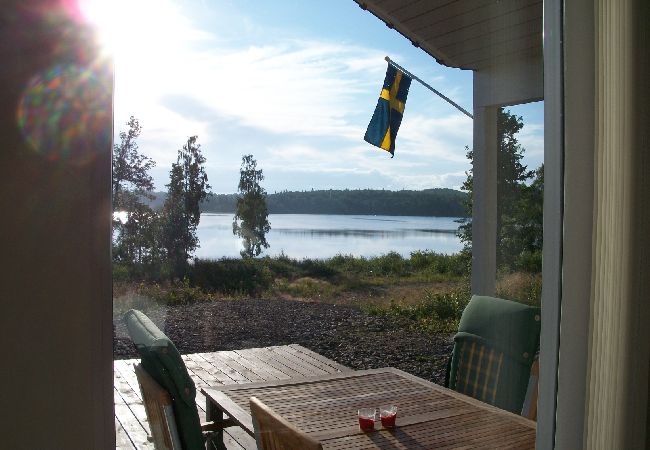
(484, 204)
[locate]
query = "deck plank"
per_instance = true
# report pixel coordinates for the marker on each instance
(132, 400)
(137, 434)
(122, 440)
(212, 369)
(126, 371)
(250, 370)
(305, 352)
(206, 371)
(234, 370)
(305, 360)
(291, 361)
(271, 364)
(265, 371)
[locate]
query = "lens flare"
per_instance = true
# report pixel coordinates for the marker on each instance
(65, 114)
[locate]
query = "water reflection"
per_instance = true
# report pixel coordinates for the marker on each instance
(323, 236)
(385, 234)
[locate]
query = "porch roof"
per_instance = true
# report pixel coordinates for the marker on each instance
(467, 34)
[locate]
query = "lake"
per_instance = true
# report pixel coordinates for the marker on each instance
(323, 236)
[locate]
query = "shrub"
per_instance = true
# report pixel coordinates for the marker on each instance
(350, 264)
(281, 266)
(439, 312)
(530, 262)
(121, 272)
(231, 276)
(317, 268)
(520, 287)
(423, 259)
(426, 261)
(391, 263)
(137, 272)
(176, 293)
(449, 306)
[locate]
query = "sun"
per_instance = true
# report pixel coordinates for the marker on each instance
(133, 28)
(151, 44)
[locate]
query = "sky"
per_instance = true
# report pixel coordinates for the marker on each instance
(293, 83)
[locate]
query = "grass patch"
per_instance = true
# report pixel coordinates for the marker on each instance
(307, 288)
(428, 289)
(435, 312)
(380, 281)
(177, 293)
(520, 287)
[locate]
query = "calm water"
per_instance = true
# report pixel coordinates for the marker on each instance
(323, 236)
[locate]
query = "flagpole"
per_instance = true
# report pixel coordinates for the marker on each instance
(438, 93)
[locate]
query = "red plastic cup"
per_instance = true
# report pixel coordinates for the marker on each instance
(388, 415)
(366, 419)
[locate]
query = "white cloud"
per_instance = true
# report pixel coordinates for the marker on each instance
(363, 160)
(293, 88)
(531, 137)
(442, 138)
(452, 180)
(296, 88)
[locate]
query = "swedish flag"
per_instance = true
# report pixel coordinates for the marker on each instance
(385, 122)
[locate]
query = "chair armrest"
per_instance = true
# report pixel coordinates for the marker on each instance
(217, 425)
(529, 408)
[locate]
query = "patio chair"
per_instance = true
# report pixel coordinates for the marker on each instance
(168, 392)
(494, 350)
(272, 432)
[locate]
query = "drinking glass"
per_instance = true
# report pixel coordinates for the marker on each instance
(388, 414)
(367, 419)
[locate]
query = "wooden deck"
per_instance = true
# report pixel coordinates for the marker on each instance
(212, 369)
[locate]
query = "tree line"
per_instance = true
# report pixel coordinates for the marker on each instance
(429, 202)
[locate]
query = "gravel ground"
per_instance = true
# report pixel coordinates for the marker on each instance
(343, 333)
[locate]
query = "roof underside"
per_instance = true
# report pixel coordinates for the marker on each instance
(468, 34)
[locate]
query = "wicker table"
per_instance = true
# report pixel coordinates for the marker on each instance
(429, 415)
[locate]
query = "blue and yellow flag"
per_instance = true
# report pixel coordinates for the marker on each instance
(385, 122)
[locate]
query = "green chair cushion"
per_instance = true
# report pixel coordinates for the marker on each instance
(508, 326)
(494, 349)
(161, 360)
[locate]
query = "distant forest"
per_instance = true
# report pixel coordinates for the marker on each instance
(429, 202)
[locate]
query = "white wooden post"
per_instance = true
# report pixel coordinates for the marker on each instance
(484, 209)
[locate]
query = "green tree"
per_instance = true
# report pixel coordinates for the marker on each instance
(512, 175)
(251, 218)
(465, 227)
(134, 239)
(188, 187)
(130, 168)
(519, 204)
(522, 231)
(138, 238)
